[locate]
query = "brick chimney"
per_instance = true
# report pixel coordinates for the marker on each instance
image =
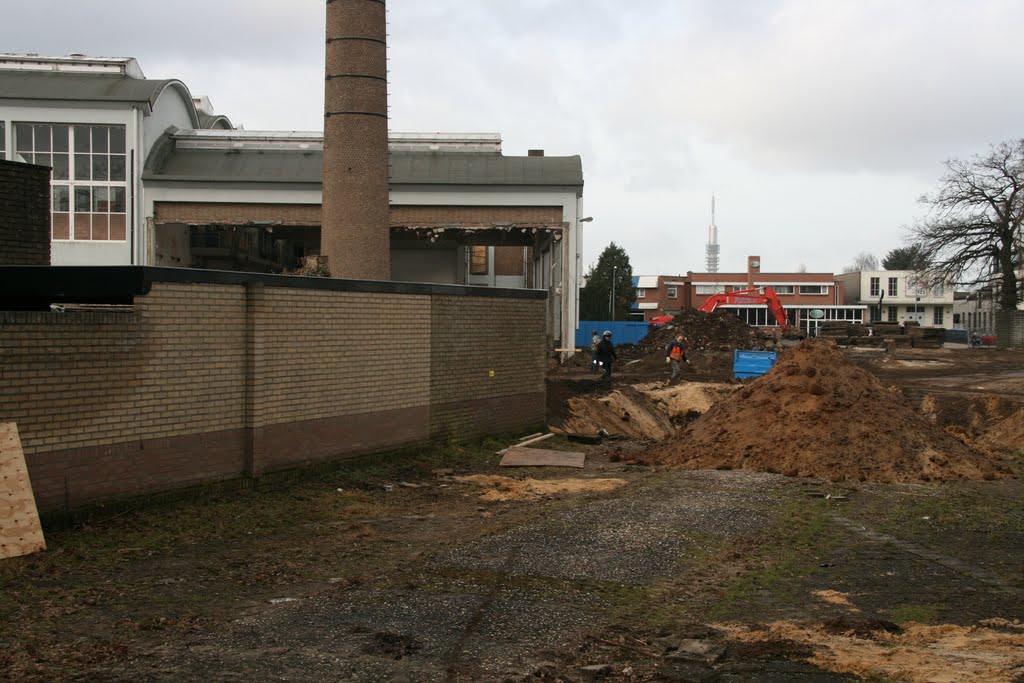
(354, 233)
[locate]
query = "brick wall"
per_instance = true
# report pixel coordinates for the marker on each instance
(487, 370)
(428, 215)
(205, 381)
(24, 214)
(225, 213)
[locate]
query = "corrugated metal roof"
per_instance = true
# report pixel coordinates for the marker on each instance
(407, 168)
(81, 87)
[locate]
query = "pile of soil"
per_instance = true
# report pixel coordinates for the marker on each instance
(816, 414)
(717, 331)
(1007, 434)
(624, 412)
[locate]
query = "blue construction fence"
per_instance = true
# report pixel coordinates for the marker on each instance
(623, 332)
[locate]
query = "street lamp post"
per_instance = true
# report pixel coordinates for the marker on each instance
(611, 304)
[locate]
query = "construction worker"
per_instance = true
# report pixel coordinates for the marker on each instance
(675, 355)
(605, 354)
(594, 341)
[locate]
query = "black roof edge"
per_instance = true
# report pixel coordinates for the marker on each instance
(37, 287)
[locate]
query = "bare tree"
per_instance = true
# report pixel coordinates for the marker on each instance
(862, 261)
(972, 233)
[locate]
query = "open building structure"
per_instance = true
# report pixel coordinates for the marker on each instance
(143, 173)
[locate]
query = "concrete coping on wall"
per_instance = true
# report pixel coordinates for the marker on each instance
(37, 287)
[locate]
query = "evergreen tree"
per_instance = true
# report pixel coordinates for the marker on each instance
(596, 297)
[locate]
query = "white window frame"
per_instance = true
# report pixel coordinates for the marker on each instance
(821, 289)
(74, 184)
(874, 286)
(641, 293)
(783, 289)
(893, 287)
(671, 291)
(708, 289)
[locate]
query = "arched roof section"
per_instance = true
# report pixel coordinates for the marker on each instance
(215, 121)
(182, 91)
(91, 87)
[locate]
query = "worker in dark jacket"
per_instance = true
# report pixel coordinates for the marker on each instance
(606, 354)
(675, 355)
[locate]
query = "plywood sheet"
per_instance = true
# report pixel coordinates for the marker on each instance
(540, 457)
(20, 531)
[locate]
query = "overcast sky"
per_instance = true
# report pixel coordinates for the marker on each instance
(815, 123)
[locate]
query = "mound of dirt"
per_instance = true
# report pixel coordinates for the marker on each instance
(816, 414)
(717, 331)
(1007, 434)
(623, 412)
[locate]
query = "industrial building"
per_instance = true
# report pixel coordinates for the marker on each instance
(144, 173)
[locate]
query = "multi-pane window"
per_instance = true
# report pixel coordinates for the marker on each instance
(875, 286)
(893, 313)
(671, 292)
(89, 183)
(813, 289)
(892, 286)
(479, 264)
(876, 314)
(641, 293)
(783, 289)
(710, 289)
(938, 290)
(937, 316)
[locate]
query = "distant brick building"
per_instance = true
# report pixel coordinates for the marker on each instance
(809, 298)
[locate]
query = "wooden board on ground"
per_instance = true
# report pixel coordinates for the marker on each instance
(20, 531)
(541, 457)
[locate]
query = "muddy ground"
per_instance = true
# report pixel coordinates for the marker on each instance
(412, 569)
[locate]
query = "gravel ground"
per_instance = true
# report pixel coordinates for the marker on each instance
(629, 583)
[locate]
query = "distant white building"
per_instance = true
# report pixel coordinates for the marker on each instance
(899, 296)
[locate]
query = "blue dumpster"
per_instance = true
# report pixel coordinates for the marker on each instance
(752, 363)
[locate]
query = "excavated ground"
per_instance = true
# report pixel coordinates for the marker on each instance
(439, 565)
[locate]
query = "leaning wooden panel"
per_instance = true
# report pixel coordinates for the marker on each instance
(20, 531)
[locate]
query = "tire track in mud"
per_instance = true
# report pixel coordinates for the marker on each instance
(951, 563)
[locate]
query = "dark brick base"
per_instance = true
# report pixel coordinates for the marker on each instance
(475, 418)
(78, 476)
(298, 443)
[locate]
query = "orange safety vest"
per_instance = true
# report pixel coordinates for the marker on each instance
(676, 352)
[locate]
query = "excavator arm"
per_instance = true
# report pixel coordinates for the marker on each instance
(750, 296)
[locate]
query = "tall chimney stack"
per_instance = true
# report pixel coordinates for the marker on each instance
(355, 232)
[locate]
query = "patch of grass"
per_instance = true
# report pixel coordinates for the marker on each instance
(988, 506)
(922, 614)
(801, 533)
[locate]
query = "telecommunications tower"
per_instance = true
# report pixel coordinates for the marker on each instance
(711, 251)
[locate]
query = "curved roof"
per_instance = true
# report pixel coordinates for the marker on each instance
(167, 162)
(209, 121)
(84, 87)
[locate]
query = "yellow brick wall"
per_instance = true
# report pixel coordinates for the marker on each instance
(200, 382)
(328, 354)
(171, 367)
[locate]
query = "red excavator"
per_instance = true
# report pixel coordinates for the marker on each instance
(750, 296)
